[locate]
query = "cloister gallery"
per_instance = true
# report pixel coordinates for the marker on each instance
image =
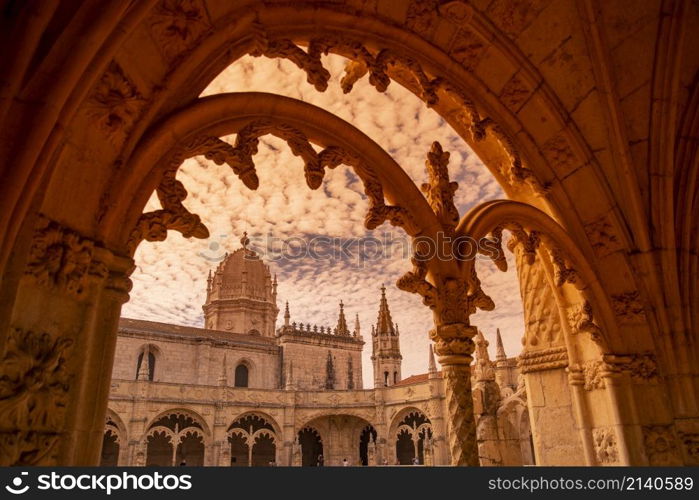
(586, 112)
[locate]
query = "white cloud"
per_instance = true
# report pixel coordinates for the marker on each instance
(169, 284)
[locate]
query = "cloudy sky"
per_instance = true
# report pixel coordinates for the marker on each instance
(170, 281)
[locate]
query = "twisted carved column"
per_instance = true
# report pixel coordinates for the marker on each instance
(454, 346)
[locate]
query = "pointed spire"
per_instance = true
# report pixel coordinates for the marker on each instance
(500, 349)
(432, 365)
(356, 326)
(144, 369)
(287, 316)
(342, 322)
(245, 241)
(384, 324)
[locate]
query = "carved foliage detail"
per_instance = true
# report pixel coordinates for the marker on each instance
(605, 444)
(439, 190)
(661, 445)
(114, 103)
(582, 320)
(177, 25)
(382, 64)
(62, 259)
(33, 397)
(628, 307)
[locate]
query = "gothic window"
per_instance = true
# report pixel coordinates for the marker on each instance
(241, 376)
(311, 447)
(110, 445)
(367, 446)
(253, 442)
(385, 379)
(395, 378)
(149, 371)
(178, 430)
(414, 439)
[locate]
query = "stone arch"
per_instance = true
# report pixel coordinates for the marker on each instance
(152, 368)
(308, 447)
(341, 433)
(514, 426)
(115, 440)
(176, 436)
(556, 153)
(260, 414)
(254, 440)
(410, 436)
(252, 374)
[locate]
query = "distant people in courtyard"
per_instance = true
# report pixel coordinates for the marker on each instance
(321, 461)
(416, 461)
(345, 463)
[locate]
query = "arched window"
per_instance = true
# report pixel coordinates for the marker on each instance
(395, 378)
(146, 372)
(241, 376)
(385, 379)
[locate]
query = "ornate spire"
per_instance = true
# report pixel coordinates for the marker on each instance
(144, 369)
(245, 241)
(342, 322)
(500, 349)
(287, 316)
(356, 326)
(432, 365)
(384, 324)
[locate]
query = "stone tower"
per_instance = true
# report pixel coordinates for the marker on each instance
(241, 296)
(385, 354)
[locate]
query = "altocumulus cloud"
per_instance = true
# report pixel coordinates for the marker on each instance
(170, 281)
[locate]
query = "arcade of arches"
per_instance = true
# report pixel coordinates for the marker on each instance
(584, 111)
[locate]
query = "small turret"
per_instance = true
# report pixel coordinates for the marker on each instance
(386, 356)
(431, 364)
(287, 316)
(500, 349)
(341, 328)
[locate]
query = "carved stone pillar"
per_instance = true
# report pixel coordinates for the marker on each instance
(454, 346)
(58, 354)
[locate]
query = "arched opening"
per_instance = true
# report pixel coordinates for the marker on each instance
(241, 375)
(311, 447)
(413, 438)
(175, 439)
(542, 107)
(253, 441)
(367, 446)
(146, 371)
(110, 446)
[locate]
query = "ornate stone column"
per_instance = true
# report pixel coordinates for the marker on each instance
(454, 347)
(58, 356)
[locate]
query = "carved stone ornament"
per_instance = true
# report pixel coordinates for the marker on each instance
(62, 259)
(33, 397)
(153, 226)
(606, 450)
(177, 26)
(582, 321)
(381, 64)
(661, 445)
(546, 359)
(115, 103)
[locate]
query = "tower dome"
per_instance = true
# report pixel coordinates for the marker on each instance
(241, 294)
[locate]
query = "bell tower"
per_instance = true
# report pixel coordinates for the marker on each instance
(241, 296)
(385, 354)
